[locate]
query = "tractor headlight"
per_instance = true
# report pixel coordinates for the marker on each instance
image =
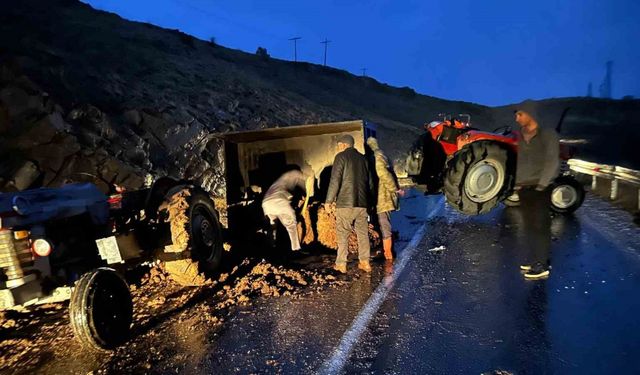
(41, 247)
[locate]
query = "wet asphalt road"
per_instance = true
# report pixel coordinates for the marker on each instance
(455, 303)
(465, 309)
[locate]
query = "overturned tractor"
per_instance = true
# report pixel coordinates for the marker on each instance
(476, 169)
(74, 243)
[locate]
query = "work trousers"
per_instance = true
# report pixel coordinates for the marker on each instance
(384, 219)
(345, 219)
(281, 210)
(535, 206)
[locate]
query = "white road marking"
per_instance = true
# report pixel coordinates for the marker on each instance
(341, 354)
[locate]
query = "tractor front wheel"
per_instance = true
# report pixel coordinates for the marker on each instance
(567, 195)
(101, 310)
(478, 177)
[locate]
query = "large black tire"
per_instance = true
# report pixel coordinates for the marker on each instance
(194, 227)
(567, 195)
(478, 177)
(101, 310)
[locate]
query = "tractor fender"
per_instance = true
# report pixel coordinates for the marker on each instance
(510, 141)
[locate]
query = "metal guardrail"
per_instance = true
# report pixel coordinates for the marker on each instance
(609, 172)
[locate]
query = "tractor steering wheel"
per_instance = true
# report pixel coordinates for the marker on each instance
(504, 130)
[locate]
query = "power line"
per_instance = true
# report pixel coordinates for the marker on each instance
(326, 42)
(364, 72)
(295, 47)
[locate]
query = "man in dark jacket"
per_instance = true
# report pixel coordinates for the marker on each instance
(538, 165)
(349, 189)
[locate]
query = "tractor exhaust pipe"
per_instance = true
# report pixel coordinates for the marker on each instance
(564, 113)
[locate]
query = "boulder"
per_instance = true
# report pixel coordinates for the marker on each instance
(25, 175)
(132, 117)
(38, 133)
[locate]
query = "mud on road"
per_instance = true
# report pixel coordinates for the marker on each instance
(40, 338)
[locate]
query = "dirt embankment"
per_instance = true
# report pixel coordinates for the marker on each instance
(88, 96)
(146, 96)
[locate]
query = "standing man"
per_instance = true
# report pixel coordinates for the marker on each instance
(538, 165)
(349, 189)
(388, 191)
(276, 203)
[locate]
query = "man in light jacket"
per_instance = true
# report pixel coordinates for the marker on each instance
(387, 190)
(276, 203)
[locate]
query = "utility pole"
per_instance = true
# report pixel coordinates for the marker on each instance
(295, 48)
(605, 86)
(325, 50)
(364, 72)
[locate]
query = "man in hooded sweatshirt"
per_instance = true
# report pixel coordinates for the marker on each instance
(538, 165)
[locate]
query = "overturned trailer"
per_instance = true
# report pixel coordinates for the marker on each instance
(253, 160)
(75, 242)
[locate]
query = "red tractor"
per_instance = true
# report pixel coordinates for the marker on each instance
(476, 169)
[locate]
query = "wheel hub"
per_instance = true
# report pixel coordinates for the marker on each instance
(484, 181)
(564, 196)
(206, 231)
(204, 234)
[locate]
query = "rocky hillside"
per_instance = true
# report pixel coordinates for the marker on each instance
(87, 95)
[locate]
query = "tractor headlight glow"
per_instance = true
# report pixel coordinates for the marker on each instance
(21, 234)
(41, 247)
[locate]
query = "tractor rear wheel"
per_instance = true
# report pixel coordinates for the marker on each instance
(194, 228)
(567, 195)
(478, 177)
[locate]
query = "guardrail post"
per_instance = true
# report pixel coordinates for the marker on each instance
(614, 189)
(594, 182)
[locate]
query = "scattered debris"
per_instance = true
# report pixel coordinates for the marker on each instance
(306, 227)
(437, 249)
(265, 279)
(177, 208)
(326, 229)
(31, 335)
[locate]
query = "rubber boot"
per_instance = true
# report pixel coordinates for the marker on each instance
(387, 245)
(342, 268)
(365, 266)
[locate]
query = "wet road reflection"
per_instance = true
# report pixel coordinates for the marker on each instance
(468, 309)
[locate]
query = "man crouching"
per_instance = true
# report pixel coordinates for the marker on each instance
(276, 203)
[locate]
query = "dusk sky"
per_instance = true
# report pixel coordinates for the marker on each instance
(489, 52)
